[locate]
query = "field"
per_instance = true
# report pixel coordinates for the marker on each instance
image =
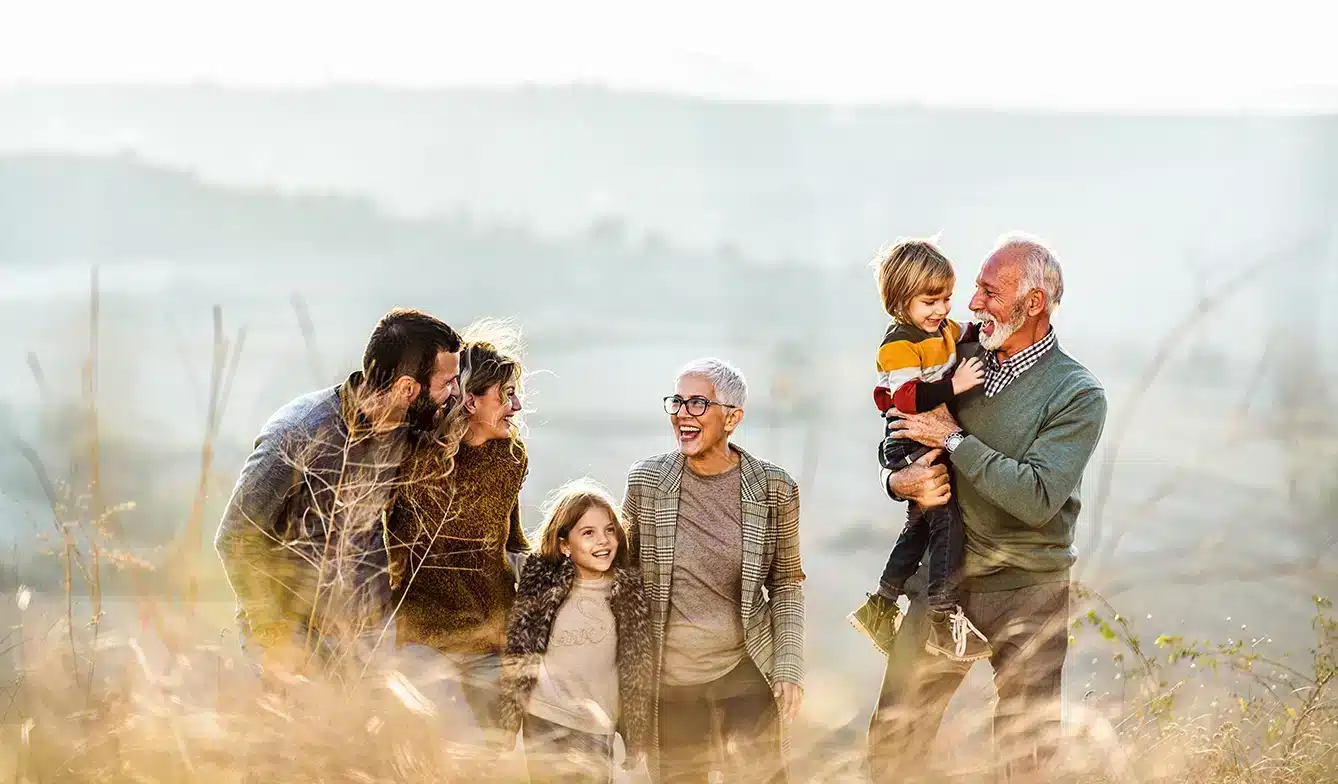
(1203, 638)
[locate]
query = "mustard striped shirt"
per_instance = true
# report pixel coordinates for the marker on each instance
(908, 353)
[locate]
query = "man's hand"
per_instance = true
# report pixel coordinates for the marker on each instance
(788, 697)
(969, 374)
(922, 482)
(929, 428)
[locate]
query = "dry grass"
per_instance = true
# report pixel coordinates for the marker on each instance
(174, 703)
(1270, 718)
(163, 697)
(194, 712)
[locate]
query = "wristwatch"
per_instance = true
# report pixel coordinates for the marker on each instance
(954, 438)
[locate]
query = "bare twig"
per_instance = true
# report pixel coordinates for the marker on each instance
(308, 330)
(1148, 378)
(96, 516)
(35, 366)
(233, 362)
(220, 385)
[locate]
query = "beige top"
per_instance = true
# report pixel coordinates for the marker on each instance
(578, 676)
(703, 637)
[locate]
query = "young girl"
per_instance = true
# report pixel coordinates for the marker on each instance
(919, 370)
(578, 664)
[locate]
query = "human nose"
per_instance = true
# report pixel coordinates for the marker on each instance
(977, 302)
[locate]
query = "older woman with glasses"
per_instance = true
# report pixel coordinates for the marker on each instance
(721, 527)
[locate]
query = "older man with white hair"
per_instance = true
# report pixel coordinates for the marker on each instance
(1018, 446)
(716, 533)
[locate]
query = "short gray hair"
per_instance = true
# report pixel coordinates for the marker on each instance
(1040, 267)
(730, 386)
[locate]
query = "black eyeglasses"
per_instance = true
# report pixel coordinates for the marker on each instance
(696, 405)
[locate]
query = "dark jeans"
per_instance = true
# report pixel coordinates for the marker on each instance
(1028, 632)
(897, 453)
(730, 724)
(934, 535)
(562, 755)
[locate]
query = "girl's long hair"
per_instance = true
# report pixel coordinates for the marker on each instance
(567, 505)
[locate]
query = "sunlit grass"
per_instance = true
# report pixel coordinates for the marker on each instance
(159, 694)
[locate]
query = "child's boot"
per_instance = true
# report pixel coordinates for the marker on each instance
(878, 618)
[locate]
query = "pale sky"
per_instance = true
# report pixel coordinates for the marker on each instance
(1141, 56)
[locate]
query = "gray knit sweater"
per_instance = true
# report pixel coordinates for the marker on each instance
(307, 511)
(1019, 472)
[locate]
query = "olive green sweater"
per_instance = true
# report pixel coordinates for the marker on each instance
(1019, 470)
(454, 583)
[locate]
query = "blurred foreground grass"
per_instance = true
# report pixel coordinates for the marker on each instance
(164, 700)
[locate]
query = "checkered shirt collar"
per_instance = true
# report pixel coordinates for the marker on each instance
(998, 375)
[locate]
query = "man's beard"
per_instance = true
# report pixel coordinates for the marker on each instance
(1002, 332)
(424, 414)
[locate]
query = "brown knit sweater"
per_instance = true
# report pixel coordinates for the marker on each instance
(449, 540)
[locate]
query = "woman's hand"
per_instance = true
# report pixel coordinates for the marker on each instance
(788, 697)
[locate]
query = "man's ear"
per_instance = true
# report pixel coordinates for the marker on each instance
(1036, 303)
(404, 390)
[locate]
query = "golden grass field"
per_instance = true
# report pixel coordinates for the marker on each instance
(152, 687)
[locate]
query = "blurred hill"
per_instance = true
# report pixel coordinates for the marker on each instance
(818, 183)
(67, 209)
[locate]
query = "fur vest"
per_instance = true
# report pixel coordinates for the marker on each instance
(544, 585)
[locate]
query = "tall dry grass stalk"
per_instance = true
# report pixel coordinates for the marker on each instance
(185, 567)
(95, 467)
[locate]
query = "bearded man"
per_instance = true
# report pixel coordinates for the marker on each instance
(303, 537)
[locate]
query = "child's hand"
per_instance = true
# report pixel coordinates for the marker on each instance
(970, 374)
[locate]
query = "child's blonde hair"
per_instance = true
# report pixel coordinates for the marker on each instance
(910, 268)
(567, 505)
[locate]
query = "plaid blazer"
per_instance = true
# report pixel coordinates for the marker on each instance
(773, 595)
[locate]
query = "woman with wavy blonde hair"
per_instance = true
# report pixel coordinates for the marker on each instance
(456, 538)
